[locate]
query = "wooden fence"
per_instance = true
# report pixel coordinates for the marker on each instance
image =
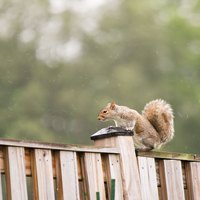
(108, 170)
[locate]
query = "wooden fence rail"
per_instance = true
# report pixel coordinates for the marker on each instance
(47, 171)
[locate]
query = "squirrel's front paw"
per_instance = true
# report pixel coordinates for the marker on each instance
(129, 128)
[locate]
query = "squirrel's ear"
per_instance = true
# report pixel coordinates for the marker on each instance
(112, 105)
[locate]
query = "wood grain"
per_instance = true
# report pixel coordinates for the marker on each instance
(19, 159)
(15, 174)
(94, 173)
(172, 180)
(1, 191)
(169, 155)
(148, 178)
(43, 175)
(56, 146)
(193, 180)
(128, 163)
(68, 178)
(115, 173)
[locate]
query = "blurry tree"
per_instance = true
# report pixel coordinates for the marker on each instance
(61, 61)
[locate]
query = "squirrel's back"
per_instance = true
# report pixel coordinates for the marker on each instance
(160, 115)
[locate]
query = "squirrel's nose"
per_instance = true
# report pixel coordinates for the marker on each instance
(99, 118)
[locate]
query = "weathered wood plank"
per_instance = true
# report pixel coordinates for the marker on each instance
(83, 186)
(128, 163)
(148, 178)
(94, 173)
(55, 146)
(68, 176)
(172, 172)
(2, 163)
(1, 191)
(100, 149)
(43, 175)
(172, 180)
(169, 155)
(193, 180)
(115, 173)
(15, 174)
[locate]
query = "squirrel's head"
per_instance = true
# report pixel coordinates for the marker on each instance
(108, 112)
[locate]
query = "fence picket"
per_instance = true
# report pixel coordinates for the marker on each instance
(94, 173)
(15, 174)
(193, 172)
(43, 175)
(147, 171)
(68, 178)
(172, 180)
(88, 175)
(115, 173)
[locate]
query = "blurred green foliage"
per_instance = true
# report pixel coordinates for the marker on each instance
(61, 61)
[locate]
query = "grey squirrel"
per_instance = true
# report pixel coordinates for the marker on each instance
(153, 128)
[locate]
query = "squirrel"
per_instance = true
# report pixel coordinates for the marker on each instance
(152, 129)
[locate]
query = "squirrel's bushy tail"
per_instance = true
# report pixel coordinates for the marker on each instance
(160, 115)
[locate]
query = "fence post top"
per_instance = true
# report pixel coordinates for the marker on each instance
(111, 131)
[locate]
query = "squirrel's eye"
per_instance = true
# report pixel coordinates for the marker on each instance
(105, 111)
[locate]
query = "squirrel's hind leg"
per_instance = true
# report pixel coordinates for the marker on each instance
(144, 149)
(148, 144)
